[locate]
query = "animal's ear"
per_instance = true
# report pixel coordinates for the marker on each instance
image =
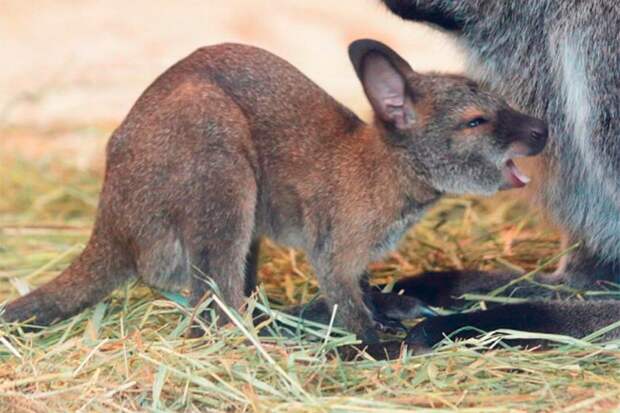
(386, 78)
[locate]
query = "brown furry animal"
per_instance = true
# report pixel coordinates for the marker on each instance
(233, 143)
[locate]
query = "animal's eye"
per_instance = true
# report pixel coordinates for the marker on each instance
(474, 123)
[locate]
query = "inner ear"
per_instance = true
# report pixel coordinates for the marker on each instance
(386, 89)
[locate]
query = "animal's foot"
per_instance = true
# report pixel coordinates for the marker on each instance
(387, 325)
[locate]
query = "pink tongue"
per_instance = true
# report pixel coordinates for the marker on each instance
(517, 178)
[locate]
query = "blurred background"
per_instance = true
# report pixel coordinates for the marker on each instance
(73, 69)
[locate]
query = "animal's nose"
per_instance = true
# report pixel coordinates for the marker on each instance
(539, 131)
(531, 132)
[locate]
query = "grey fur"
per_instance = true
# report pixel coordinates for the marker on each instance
(559, 60)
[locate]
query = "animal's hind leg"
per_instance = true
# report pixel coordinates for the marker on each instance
(218, 237)
(251, 267)
(209, 237)
(224, 265)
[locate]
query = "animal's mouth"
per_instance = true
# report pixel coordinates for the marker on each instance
(513, 176)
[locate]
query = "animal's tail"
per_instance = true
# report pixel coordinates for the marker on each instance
(100, 268)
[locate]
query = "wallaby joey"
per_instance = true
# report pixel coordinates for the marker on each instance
(233, 143)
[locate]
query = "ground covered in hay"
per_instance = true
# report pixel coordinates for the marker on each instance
(130, 352)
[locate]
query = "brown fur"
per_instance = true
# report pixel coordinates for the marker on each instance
(233, 143)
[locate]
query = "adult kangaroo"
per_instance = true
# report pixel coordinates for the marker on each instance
(560, 61)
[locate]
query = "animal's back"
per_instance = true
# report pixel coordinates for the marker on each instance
(271, 92)
(231, 100)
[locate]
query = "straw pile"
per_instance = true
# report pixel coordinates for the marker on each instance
(130, 353)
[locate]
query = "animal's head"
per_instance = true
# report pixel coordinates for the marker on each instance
(462, 138)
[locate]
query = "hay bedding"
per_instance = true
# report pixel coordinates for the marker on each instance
(130, 353)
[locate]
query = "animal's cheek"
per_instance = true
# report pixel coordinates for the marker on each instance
(464, 148)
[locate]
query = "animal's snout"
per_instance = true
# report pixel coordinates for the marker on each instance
(539, 130)
(539, 133)
(523, 131)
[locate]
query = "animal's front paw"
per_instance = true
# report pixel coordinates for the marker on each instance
(426, 334)
(388, 350)
(387, 325)
(388, 309)
(399, 307)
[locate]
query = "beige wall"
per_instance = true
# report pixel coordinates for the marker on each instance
(68, 65)
(86, 61)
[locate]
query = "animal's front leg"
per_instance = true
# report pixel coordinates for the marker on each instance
(343, 288)
(352, 312)
(339, 278)
(584, 268)
(389, 309)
